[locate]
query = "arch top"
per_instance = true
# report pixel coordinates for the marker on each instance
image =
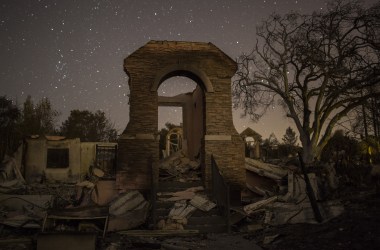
(164, 59)
(193, 73)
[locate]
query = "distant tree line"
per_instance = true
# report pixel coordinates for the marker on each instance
(41, 119)
(272, 148)
(343, 149)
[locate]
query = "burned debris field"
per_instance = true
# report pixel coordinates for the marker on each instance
(273, 211)
(190, 125)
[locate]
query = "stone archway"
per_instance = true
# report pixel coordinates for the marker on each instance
(212, 70)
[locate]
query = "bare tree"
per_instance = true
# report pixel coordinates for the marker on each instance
(318, 67)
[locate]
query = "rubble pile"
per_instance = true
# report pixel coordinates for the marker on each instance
(11, 179)
(284, 195)
(186, 202)
(129, 210)
(179, 168)
(177, 216)
(93, 205)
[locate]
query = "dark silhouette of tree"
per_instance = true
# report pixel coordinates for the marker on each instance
(10, 134)
(290, 137)
(341, 149)
(270, 147)
(319, 68)
(289, 145)
(40, 118)
(89, 126)
(367, 122)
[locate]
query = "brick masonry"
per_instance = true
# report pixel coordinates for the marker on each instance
(207, 65)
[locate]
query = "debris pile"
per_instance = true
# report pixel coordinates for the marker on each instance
(128, 210)
(11, 179)
(186, 202)
(94, 204)
(177, 216)
(25, 211)
(285, 197)
(179, 168)
(99, 205)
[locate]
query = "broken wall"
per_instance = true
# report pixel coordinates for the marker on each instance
(36, 160)
(81, 155)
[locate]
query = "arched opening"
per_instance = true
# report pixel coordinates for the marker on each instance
(194, 74)
(181, 114)
(210, 104)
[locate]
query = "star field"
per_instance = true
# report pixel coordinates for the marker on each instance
(72, 51)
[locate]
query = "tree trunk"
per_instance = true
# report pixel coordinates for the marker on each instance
(374, 118)
(365, 122)
(309, 153)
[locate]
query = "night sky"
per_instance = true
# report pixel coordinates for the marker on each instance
(72, 51)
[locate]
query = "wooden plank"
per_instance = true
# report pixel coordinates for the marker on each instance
(265, 169)
(257, 205)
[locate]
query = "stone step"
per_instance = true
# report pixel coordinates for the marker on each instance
(207, 228)
(200, 213)
(164, 209)
(173, 186)
(162, 212)
(199, 218)
(209, 220)
(205, 222)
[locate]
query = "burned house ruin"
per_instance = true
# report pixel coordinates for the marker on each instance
(207, 116)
